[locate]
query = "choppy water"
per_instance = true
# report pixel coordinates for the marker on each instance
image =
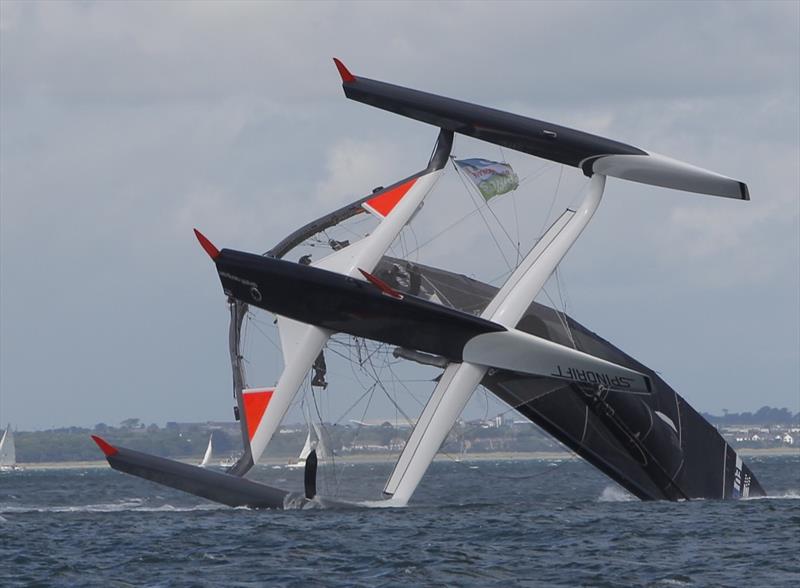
(528, 523)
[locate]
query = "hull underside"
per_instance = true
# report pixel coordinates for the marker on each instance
(654, 445)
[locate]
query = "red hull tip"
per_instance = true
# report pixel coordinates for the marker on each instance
(347, 77)
(105, 446)
(381, 285)
(212, 251)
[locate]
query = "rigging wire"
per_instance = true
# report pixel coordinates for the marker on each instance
(564, 305)
(329, 454)
(546, 222)
(444, 230)
(474, 193)
(537, 173)
(561, 318)
(479, 208)
(518, 245)
(514, 203)
(257, 325)
(510, 408)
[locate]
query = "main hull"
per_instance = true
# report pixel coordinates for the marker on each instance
(654, 445)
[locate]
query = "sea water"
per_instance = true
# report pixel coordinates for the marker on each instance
(504, 523)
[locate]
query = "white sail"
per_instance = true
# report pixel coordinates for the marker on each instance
(209, 450)
(322, 449)
(8, 451)
(309, 445)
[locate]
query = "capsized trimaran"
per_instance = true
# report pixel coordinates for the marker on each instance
(616, 413)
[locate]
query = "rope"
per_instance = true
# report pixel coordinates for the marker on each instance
(479, 209)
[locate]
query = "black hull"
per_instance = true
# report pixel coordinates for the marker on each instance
(206, 483)
(654, 445)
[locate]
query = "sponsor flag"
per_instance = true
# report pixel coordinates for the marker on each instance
(490, 177)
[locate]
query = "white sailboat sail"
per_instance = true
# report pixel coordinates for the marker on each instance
(322, 449)
(209, 451)
(313, 441)
(8, 451)
(309, 445)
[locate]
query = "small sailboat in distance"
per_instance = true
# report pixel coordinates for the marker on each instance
(8, 451)
(308, 447)
(209, 450)
(313, 442)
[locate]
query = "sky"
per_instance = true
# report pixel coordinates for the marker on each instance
(125, 125)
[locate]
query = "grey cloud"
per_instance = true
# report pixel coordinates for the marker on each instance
(126, 124)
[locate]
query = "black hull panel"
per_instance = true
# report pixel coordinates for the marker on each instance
(654, 445)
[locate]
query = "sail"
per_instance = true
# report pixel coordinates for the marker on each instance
(322, 449)
(207, 455)
(8, 451)
(307, 447)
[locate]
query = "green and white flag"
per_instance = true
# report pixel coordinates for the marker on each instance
(490, 177)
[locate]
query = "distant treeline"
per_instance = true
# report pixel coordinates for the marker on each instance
(75, 443)
(766, 415)
(189, 440)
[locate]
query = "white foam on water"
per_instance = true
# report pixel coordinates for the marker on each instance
(387, 503)
(614, 493)
(673, 582)
(788, 495)
(134, 505)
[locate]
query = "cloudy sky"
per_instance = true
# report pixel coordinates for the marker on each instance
(124, 125)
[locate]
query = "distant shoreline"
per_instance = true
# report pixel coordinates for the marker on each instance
(768, 451)
(391, 458)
